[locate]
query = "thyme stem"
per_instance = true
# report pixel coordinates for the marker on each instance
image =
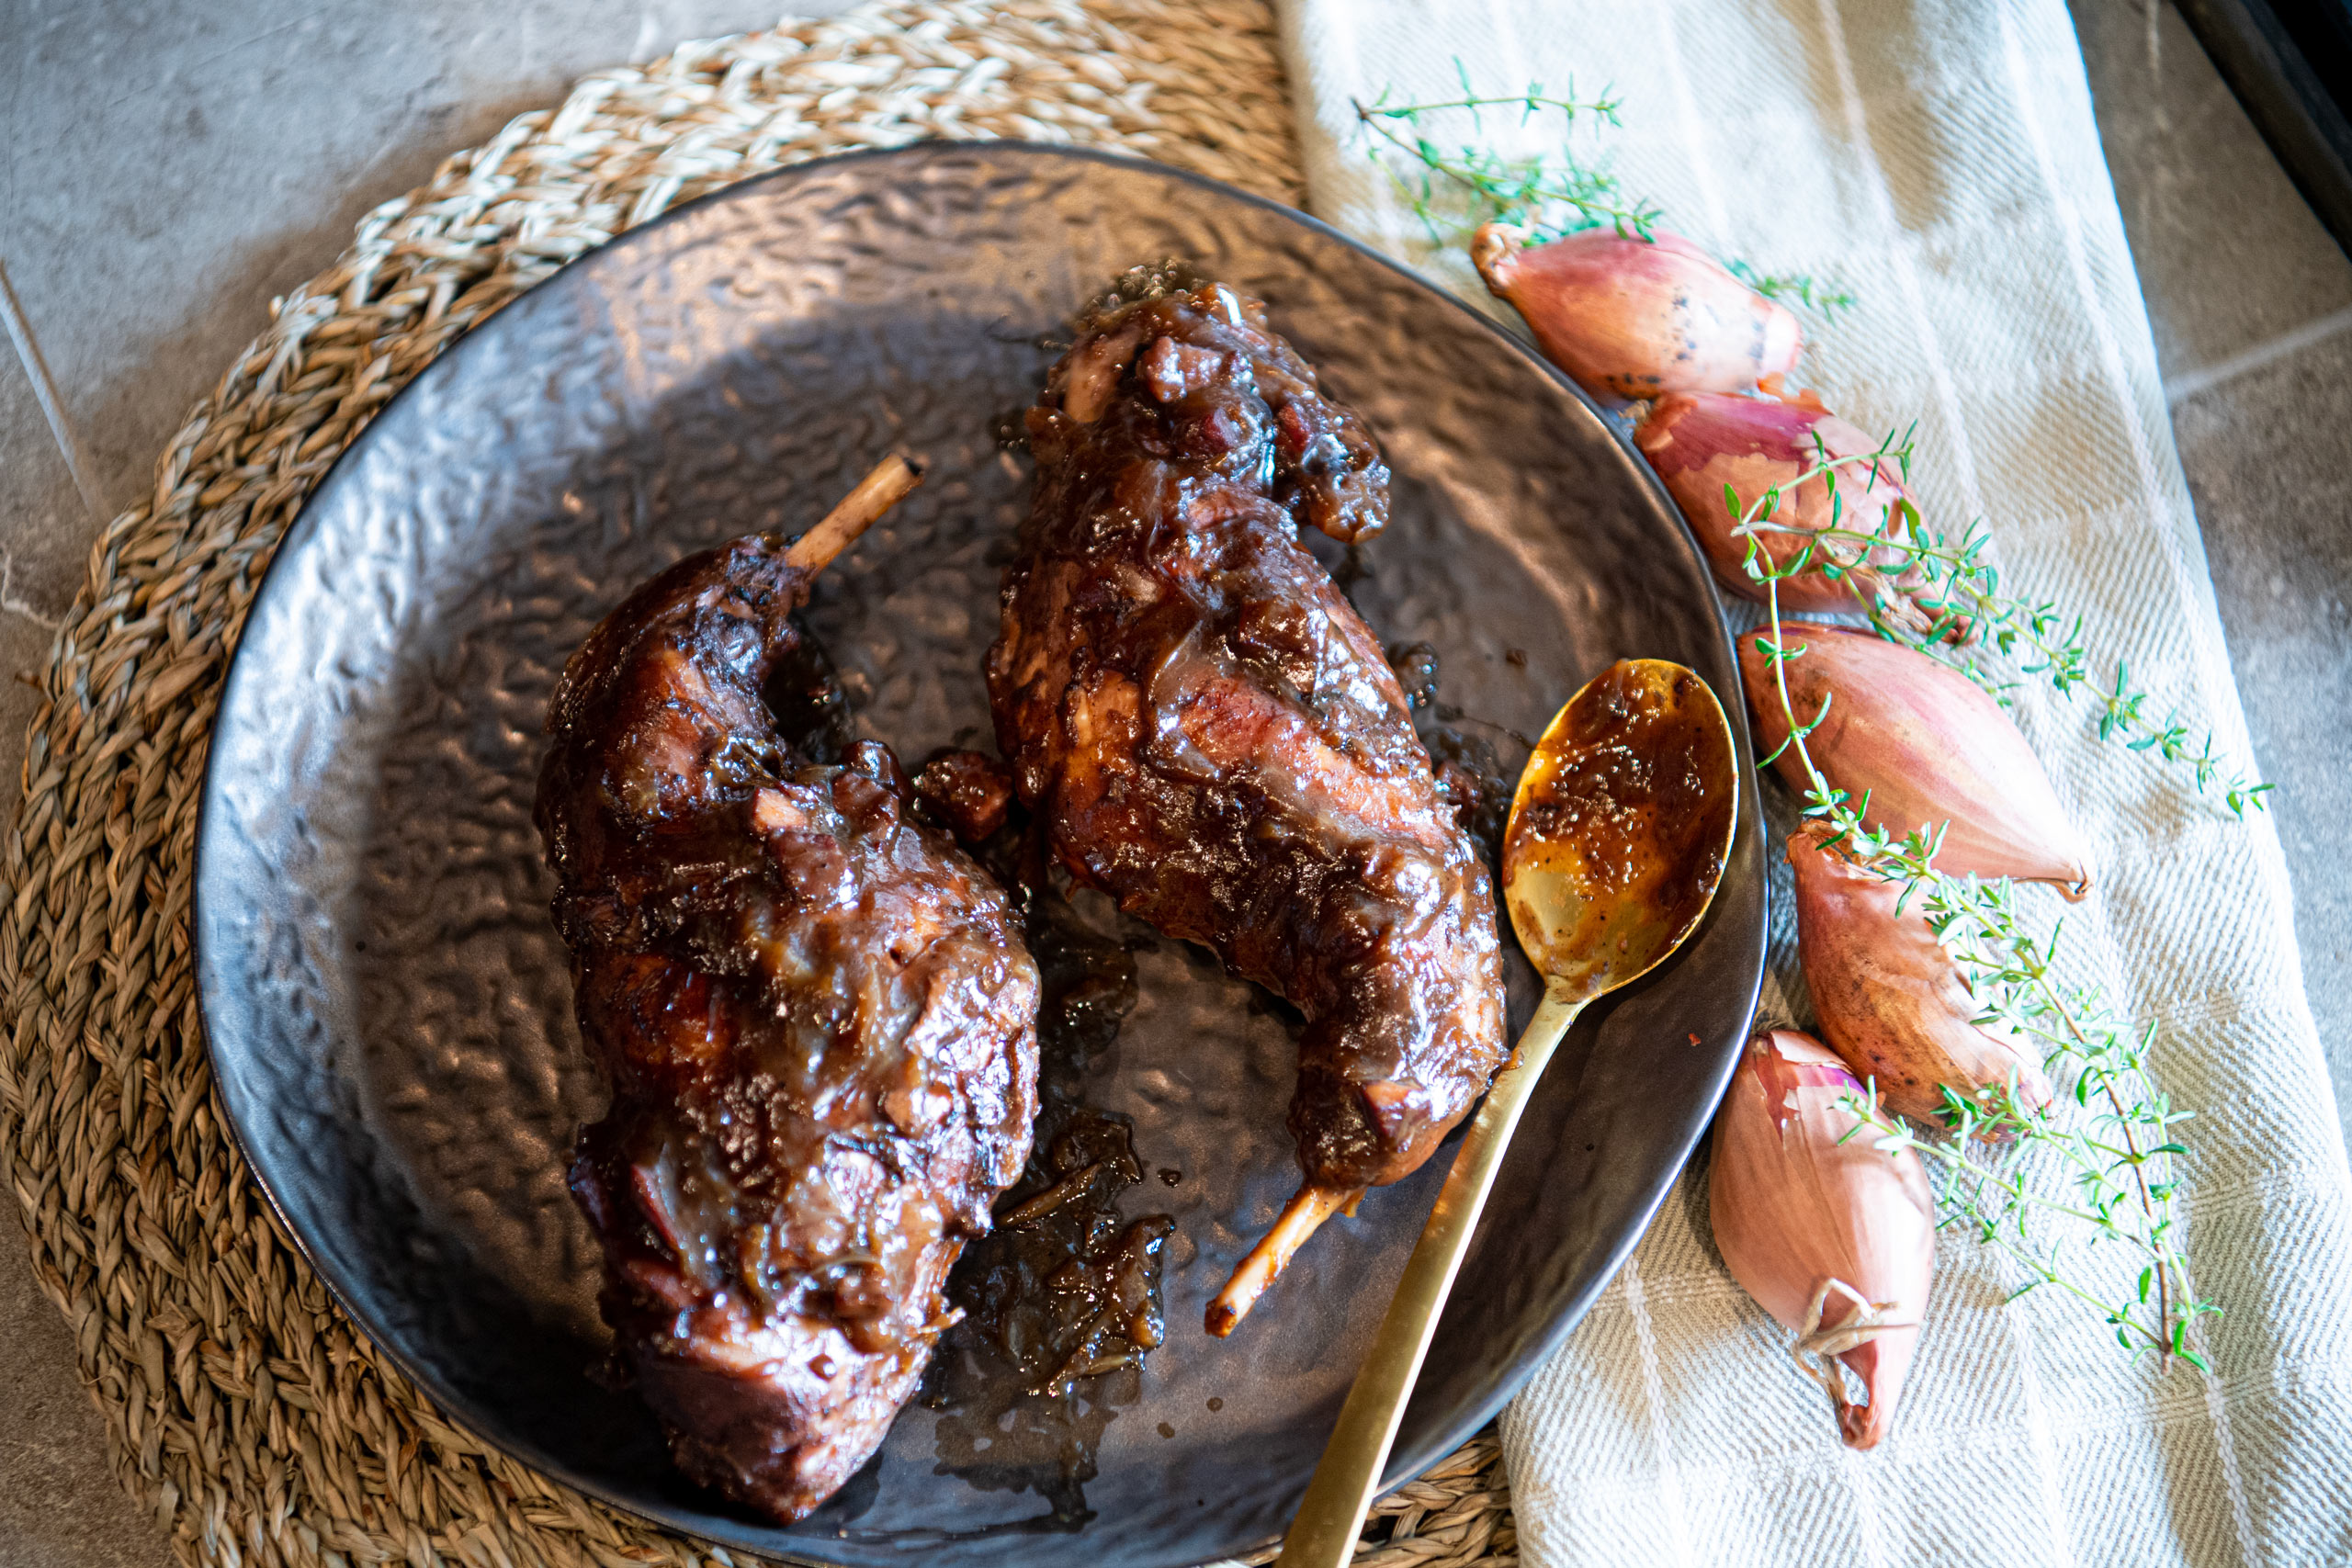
(2004, 966)
(2131, 1152)
(1960, 590)
(1550, 197)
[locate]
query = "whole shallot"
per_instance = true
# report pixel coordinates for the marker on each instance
(1835, 1239)
(1887, 994)
(1924, 742)
(1703, 443)
(1635, 318)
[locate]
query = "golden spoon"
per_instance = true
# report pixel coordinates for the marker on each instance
(1618, 838)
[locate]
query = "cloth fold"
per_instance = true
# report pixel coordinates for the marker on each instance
(1938, 160)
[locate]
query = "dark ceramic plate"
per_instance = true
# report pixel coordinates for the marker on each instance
(389, 1007)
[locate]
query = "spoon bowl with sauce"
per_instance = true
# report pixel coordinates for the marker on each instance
(1619, 834)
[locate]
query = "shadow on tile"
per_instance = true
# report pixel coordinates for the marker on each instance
(198, 160)
(2228, 255)
(2264, 452)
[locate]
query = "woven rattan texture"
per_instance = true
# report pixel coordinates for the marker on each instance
(244, 1410)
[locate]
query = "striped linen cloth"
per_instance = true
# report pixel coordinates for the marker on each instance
(1938, 159)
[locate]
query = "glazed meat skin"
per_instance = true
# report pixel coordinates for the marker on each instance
(819, 1023)
(1212, 735)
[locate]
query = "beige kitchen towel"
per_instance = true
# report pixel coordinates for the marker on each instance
(1937, 159)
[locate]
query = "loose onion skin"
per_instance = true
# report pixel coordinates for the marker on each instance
(1794, 1209)
(1887, 995)
(1927, 746)
(1701, 442)
(1632, 318)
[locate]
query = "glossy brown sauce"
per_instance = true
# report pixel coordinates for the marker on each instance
(1620, 803)
(1471, 777)
(1065, 1288)
(1061, 1300)
(966, 793)
(1416, 664)
(804, 693)
(1215, 737)
(815, 1018)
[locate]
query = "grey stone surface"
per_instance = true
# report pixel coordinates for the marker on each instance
(2228, 255)
(60, 1506)
(2265, 453)
(2251, 303)
(171, 167)
(45, 525)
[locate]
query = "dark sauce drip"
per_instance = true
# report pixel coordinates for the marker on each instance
(811, 710)
(1062, 1299)
(966, 793)
(1010, 429)
(1470, 774)
(1470, 778)
(1350, 568)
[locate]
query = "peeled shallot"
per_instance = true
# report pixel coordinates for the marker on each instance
(1835, 1238)
(1888, 995)
(1703, 443)
(1634, 318)
(1926, 745)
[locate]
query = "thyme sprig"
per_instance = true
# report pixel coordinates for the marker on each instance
(2114, 1152)
(1910, 567)
(1824, 301)
(1549, 196)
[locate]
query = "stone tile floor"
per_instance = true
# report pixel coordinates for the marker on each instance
(170, 168)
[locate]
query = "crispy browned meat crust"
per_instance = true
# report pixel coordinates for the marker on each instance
(1212, 734)
(820, 1027)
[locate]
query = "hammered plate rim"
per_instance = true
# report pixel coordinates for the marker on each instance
(470, 1414)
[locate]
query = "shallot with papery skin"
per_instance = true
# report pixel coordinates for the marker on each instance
(1832, 1235)
(1926, 743)
(1889, 996)
(1702, 442)
(1635, 318)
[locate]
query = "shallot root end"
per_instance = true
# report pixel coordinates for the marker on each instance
(1817, 1348)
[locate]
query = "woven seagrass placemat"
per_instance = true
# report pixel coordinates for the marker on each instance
(258, 1424)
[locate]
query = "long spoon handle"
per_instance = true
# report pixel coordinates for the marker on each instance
(1324, 1533)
